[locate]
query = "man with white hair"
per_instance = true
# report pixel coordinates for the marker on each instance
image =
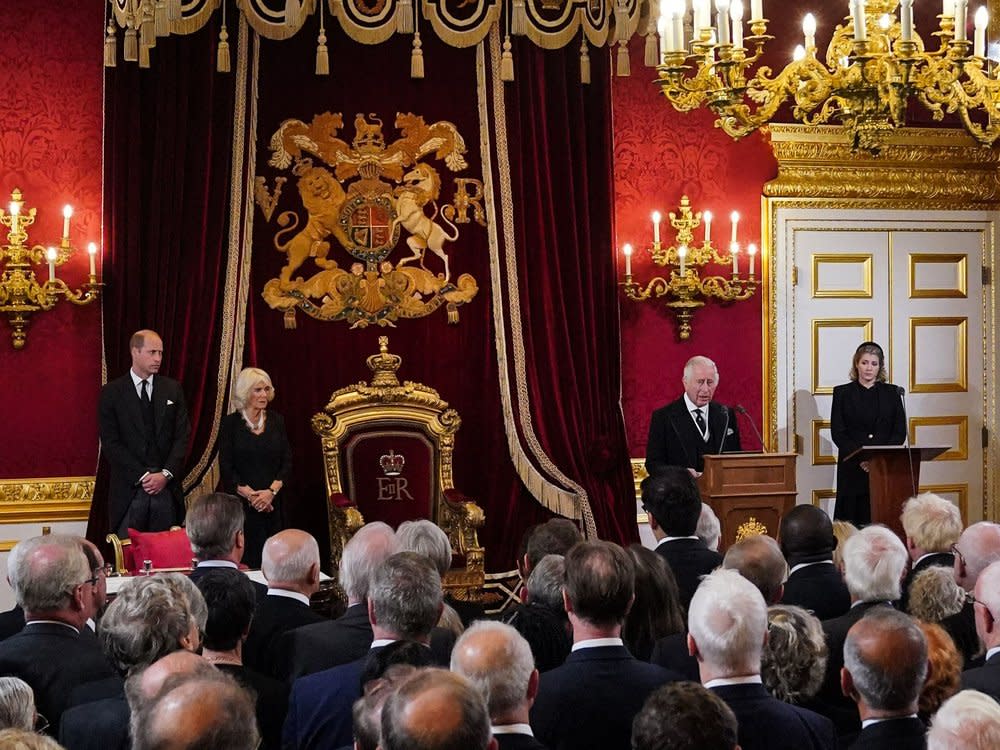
(978, 546)
(313, 648)
(683, 431)
(932, 525)
(969, 720)
(290, 564)
(727, 628)
(497, 660)
(874, 565)
(986, 678)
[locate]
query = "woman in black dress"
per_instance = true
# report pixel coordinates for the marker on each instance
(866, 411)
(255, 459)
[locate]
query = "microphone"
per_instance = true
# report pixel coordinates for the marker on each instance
(725, 429)
(906, 437)
(742, 410)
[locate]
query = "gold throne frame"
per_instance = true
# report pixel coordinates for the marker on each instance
(384, 401)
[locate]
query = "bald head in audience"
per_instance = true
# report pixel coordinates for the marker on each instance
(144, 685)
(759, 560)
(49, 575)
(436, 710)
(977, 547)
(290, 562)
(363, 554)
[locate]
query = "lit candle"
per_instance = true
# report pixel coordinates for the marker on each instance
(735, 218)
(960, 7)
(982, 21)
(661, 28)
(627, 252)
(52, 255)
(752, 252)
(722, 20)
(734, 250)
(15, 211)
(799, 53)
(67, 213)
(708, 227)
(906, 20)
(682, 252)
(809, 30)
(860, 32)
(656, 227)
(92, 252)
(736, 14)
(756, 10)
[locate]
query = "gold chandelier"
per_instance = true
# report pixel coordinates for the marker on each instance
(685, 289)
(875, 65)
(21, 295)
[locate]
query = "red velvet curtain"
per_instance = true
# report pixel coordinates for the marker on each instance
(168, 143)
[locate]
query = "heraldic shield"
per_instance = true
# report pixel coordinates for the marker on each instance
(387, 453)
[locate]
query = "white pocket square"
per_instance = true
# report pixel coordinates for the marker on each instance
(728, 431)
(171, 403)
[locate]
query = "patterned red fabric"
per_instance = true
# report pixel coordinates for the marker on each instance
(165, 549)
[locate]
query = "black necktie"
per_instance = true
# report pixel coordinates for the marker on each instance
(700, 421)
(145, 393)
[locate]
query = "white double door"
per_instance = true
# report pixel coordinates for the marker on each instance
(913, 282)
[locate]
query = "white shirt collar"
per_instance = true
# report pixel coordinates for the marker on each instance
(512, 729)
(382, 642)
(289, 595)
(926, 554)
(218, 564)
(868, 722)
(990, 653)
(53, 622)
(674, 539)
(752, 679)
(597, 643)
(691, 407)
(136, 380)
(800, 566)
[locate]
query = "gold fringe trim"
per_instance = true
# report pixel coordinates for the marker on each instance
(404, 16)
(624, 65)
(161, 19)
(131, 45)
(518, 18)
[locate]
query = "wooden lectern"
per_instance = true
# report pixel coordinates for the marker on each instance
(890, 481)
(752, 490)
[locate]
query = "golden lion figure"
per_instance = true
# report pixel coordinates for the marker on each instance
(420, 187)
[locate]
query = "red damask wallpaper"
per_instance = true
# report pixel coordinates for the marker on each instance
(51, 77)
(661, 155)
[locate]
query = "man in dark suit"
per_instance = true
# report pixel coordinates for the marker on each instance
(144, 431)
(684, 714)
(986, 678)
(683, 431)
(885, 665)
(55, 585)
(874, 566)
(727, 628)
(313, 648)
(290, 563)
(405, 601)
(589, 702)
(497, 660)
(814, 583)
(672, 500)
(214, 526)
(11, 621)
(932, 526)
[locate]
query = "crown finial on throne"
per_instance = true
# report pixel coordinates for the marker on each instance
(384, 365)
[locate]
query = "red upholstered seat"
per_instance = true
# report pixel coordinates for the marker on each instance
(164, 549)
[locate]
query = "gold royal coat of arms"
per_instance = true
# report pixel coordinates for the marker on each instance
(365, 195)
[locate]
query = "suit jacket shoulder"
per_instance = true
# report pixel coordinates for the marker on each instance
(985, 679)
(313, 648)
(765, 723)
(820, 589)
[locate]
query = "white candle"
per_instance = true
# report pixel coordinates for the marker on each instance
(678, 23)
(682, 252)
(809, 30)
(736, 14)
(799, 53)
(751, 251)
(656, 227)
(960, 7)
(15, 212)
(734, 250)
(52, 255)
(705, 8)
(756, 10)
(708, 227)
(722, 20)
(906, 20)
(67, 213)
(982, 21)
(735, 218)
(948, 8)
(860, 32)
(92, 252)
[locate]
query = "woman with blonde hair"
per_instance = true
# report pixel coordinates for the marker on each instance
(255, 459)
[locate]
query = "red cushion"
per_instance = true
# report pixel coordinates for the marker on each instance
(166, 549)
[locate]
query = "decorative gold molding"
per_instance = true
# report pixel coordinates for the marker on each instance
(45, 499)
(820, 323)
(961, 424)
(862, 259)
(8, 544)
(958, 259)
(961, 325)
(821, 459)
(936, 166)
(819, 495)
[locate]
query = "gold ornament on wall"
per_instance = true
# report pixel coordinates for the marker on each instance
(362, 198)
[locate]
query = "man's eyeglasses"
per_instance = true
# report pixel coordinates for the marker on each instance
(958, 554)
(105, 569)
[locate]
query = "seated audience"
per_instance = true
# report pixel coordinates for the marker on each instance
(684, 716)
(290, 564)
(932, 525)
(814, 581)
(793, 661)
(313, 648)
(145, 684)
(23, 739)
(404, 603)
(968, 720)
(944, 669)
(673, 503)
(885, 665)
(17, 704)
(977, 547)
(557, 536)
(935, 597)
(758, 558)
(229, 595)
(709, 530)
(203, 712)
(59, 592)
(496, 660)
(874, 565)
(986, 678)
(727, 627)
(656, 611)
(541, 618)
(590, 701)
(436, 710)
(214, 525)
(426, 538)
(842, 531)
(367, 711)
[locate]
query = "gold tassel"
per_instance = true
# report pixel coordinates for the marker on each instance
(222, 53)
(624, 65)
(417, 58)
(131, 45)
(292, 9)
(506, 61)
(621, 21)
(143, 56)
(322, 56)
(519, 19)
(174, 10)
(111, 46)
(404, 17)
(652, 50)
(161, 22)
(147, 35)
(584, 62)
